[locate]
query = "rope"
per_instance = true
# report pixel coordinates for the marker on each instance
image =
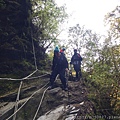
(40, 103)
(17, 100)
(26, 78)
(67, 77)
(65, 104)
(30, 74)
(37, 77)
(26, 101)
(18, 96)
(19, 79)
(33, 50)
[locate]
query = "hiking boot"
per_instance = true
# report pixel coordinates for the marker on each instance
(65, 89)
(76, 79)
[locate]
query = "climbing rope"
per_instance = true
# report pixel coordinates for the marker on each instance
(26, 78)
(68, 94)
(21, 78)
(66, 103)
(18, 96)
(40, 103)
(33, 50)
(27, 101)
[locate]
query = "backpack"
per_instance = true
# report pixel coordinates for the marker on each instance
(76, 59)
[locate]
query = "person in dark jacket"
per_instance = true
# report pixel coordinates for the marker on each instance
(62, 51)
(59, 66)
(76, 61)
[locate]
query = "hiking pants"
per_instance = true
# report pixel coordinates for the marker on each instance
(77, 69)
(61, 75)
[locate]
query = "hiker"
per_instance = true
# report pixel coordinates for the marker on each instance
(59, 66)
(62, 51)
(76, 61)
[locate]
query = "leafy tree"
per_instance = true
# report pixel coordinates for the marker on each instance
(91, 47)
(86, 42)
(27, 25)
(113, 19)
(47, 17)
(101, 62)
(105, 77)
(76, 36)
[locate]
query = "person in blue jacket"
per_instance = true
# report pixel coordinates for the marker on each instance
(76, 61)
(59, 66)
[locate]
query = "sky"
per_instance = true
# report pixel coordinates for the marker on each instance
(89, 13)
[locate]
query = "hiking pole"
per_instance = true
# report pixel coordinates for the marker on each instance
(67, 77)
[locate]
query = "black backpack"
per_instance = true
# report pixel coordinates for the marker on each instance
(76, 59)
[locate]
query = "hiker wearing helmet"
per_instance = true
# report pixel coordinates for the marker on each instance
(59, 66)
(76, 61)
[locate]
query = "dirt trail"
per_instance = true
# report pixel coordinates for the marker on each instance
(77, 104)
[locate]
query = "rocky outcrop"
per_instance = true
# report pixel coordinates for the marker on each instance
(63, 105)
(75, 105)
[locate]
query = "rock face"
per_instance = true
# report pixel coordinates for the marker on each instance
(62, 112)
(75, 103)
(63, 105)
(54, 114)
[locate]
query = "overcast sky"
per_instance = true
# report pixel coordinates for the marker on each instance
(88, 12)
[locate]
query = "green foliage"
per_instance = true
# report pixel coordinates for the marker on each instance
(47, 17)
(113, 19)
(104, 73)
(104, 79)
(15, 41)
(8, 86)
(76, 36)
(101, 63)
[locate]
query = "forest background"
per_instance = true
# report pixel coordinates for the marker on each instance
(29, 31)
